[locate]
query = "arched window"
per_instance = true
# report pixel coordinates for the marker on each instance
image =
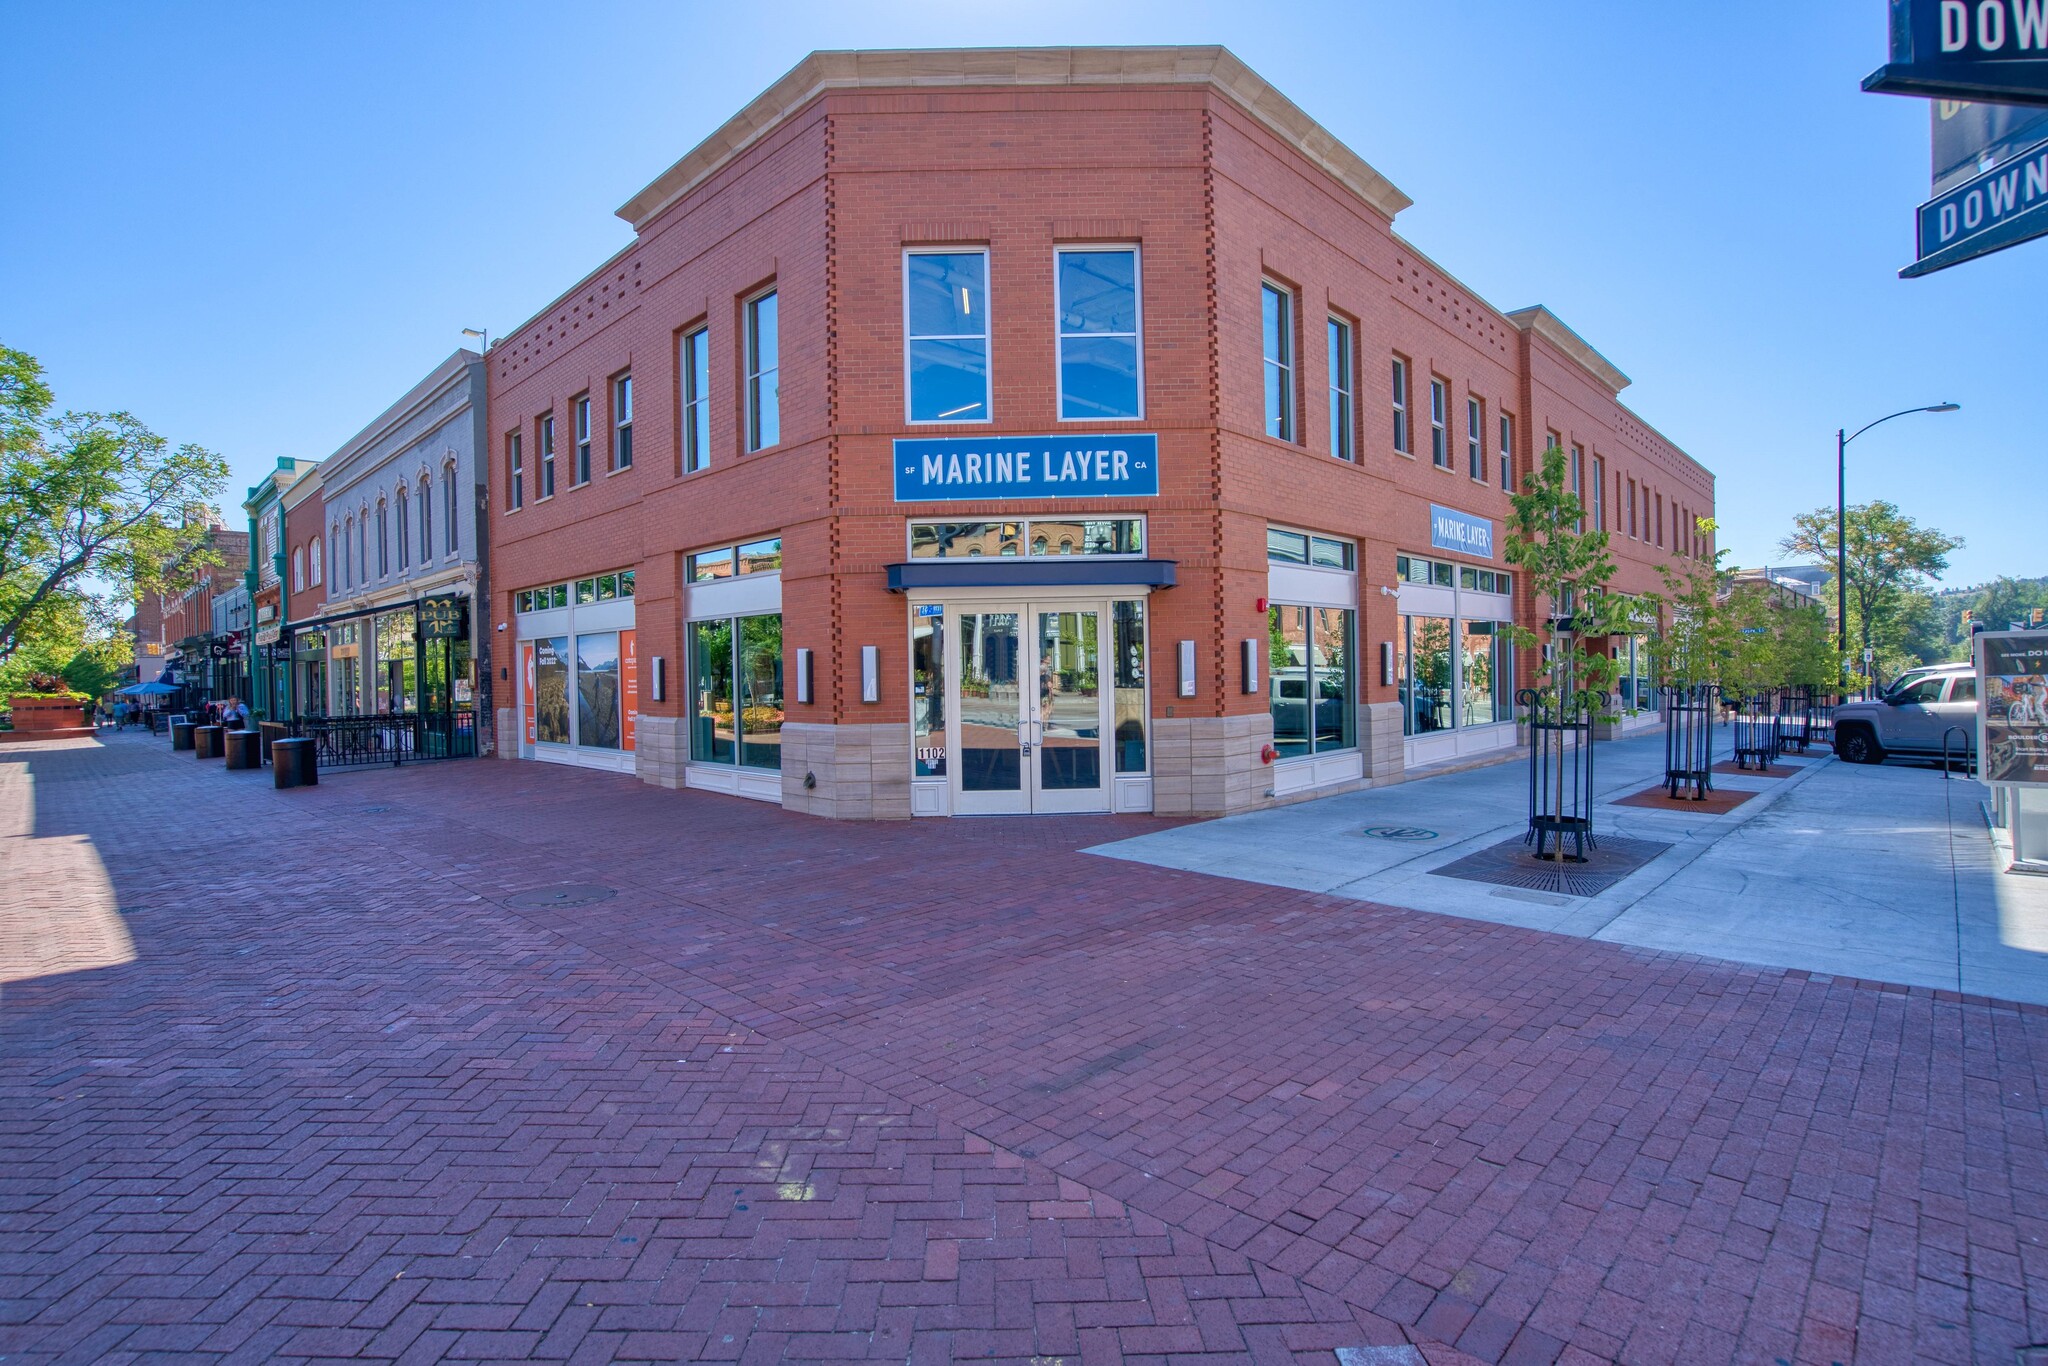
(298, 569)
(348, 541)
(313, 554)
(362, 558)
(426, 521)
(383, 539)
(448, 518)
(404, 529)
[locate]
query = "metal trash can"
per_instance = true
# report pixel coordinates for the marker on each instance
(181, 735)
(293, 763)
(244, 749)
(206, 742)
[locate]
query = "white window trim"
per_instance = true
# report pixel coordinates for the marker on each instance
(694, 461)
(1439, 423)
(749, 376)
(582, 437)
(621, 385)
(1507, 453)
(1404, 429)
(1475, 438)
(986, 337)
(1290, 393)
(1138, 289)
(1024, 535)
(1348, 391)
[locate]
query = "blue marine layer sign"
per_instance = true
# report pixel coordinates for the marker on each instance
(977, 468)
(1450, 529)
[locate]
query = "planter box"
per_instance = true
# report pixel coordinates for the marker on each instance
(48, 718)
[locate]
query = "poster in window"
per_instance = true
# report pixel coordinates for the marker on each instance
(526, 685)
(2012, 711)
(629, 683)
(597, 690)
(551, 689)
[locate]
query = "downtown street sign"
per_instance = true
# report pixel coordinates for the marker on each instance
(1994, 50)
(1988, 212)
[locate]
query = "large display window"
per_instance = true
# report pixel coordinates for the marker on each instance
(1312, 665)
(736, 691)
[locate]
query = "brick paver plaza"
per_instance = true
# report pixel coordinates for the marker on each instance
(927, 1091)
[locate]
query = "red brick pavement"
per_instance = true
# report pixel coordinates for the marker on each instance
(944, 1090)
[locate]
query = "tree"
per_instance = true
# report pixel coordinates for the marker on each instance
(1694, 641)
(1892, 560)
(1569, 570)
(92, 508)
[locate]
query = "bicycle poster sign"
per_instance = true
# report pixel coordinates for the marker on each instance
(2012, 713)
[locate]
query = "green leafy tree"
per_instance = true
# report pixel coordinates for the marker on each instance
(1892, 560)
(92, 508)
(1693, 641)
(1569, 570)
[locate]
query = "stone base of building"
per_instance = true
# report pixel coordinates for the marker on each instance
(661, 749)
(1210, 765)
(1381, 742)
(504, 727)
(855, 772)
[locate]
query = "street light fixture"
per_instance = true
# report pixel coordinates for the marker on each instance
(482, 335)
(1842, 515)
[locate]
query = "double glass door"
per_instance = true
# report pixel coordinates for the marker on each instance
(1029, 715)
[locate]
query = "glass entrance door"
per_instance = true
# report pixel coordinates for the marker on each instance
(1026, 708)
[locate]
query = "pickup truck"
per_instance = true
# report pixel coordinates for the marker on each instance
(1910, 717)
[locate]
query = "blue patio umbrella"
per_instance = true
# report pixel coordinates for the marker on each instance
(148, 690)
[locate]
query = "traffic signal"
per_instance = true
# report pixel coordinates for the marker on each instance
(2037, 615)
(1968, 615)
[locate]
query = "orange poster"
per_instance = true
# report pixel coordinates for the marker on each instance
(526, 685)
(629, 681)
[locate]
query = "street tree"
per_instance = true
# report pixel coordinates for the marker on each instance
(92, 509)
(1892, 560)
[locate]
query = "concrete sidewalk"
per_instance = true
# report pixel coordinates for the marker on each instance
(1883, 873)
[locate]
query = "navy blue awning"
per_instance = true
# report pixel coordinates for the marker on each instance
(1019, 571)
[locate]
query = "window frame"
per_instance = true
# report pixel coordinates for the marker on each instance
(314, 550)
(451, 531)
(1475, 438)
(1340, 337)
(400, 499)
(515, 471)
(1439, 423)
(383, 540)
(546, 445)
(695, 404)
(753, 372)
(1404, 402)
(1599, 473)
(579, 439)
(1507, 452)
(1286, 363)
(1576, 473)
(622, 427)
(1059, 338)
(426, 502)
(986, 337)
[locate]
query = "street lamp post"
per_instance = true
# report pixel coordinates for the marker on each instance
(1842, 439)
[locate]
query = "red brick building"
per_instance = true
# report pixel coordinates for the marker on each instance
(1012, 430)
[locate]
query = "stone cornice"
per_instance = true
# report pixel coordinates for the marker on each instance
(1547, 325)
(1212, 66)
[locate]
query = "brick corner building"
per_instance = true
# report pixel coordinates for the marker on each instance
(1128, 459)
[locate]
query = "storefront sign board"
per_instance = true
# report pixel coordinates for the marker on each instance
(1450, 529)
(629, 687)
(529, 679)
(983, 468)
(2012, 708)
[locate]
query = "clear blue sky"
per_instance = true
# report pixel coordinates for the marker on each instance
(257, 225)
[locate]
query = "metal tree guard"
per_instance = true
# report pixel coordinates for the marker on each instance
(1795, 714)
(1758, 735)
(1689, 740)
(1560, 772)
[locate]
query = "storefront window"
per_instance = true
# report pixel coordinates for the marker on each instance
(1425, 674)
(1310, 660)
(397, 663)
(551, 690)
(928, 690)
(1487, 692)
(736, 691)
(597, 690)
(970, 540)
(1128, 644)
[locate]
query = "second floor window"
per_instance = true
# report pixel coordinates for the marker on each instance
(1578, 467)
(695, 368)
(1599, 494)
(426, 520)
(515, 471)
(448, 519)
(298, 571)
(1101, 358)
(1439, 426)
(1276, 322)
(404, 530)
(547, 456)
(313, 561)
(622, 423)
(1475, 439)
(1401, 406)
(1507, 452)
(764, 404)
(580, 412)
(1343, 416)
(383, 540)
(945, 328)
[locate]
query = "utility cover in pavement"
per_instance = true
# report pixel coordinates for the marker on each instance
(1414, 833)
(546, 898)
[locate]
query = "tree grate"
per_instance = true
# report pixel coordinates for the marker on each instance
(559, 898)
(1511, 864)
